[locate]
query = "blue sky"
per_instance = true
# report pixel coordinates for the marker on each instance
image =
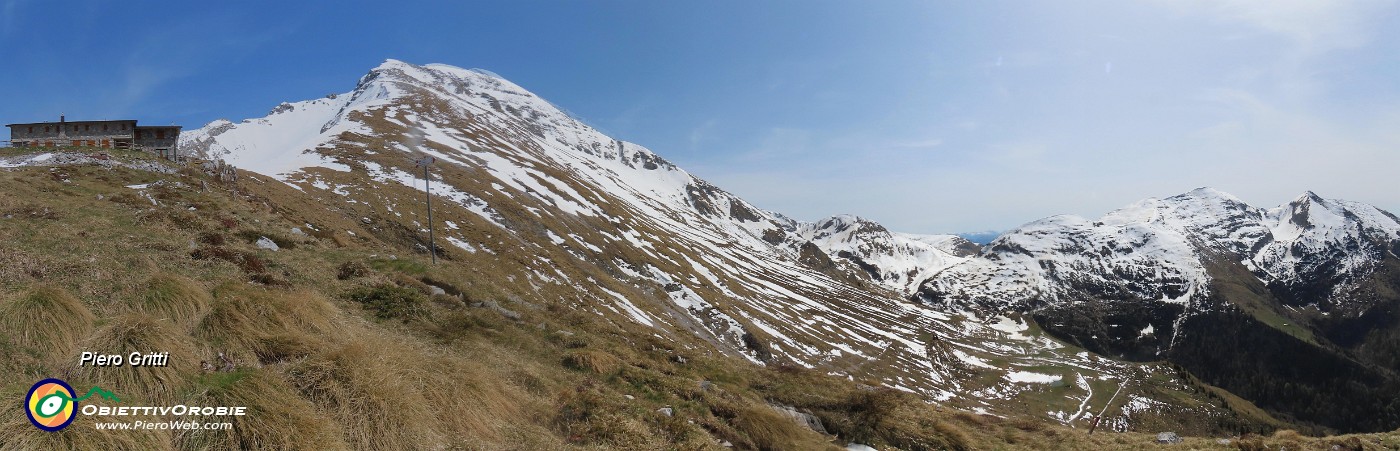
(927, 116)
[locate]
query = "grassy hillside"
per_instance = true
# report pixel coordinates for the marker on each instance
(337, 340)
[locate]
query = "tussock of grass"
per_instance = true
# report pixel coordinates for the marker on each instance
(283, 347)
(18, 435)
(594, 361)
(277, 418)
(870, 411)
(588, 416)
(176, 298)
(242, 315)
(376, 407)
(399, 265)
(341, 240)
(886, 416)
(770, 430)
(47, 319)
(142, 334)
(406, 281)
(352, 269)
(248, 262)
(481, 408)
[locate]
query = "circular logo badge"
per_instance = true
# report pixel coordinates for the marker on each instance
(50, 405)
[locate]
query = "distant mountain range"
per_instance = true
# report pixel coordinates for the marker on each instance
(1278, 305)
(1295, 308)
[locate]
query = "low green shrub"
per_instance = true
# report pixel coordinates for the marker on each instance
(388, 301)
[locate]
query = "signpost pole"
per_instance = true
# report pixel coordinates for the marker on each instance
(428, 194)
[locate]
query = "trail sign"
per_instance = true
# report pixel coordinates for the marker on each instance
(428, 190)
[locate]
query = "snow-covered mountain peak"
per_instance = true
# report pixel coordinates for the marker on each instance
(1206, 192)
(435, 99)
(434, 75)
(1197, 209)
(845, 225)
(898, 261)
(1315, 240)
(473, 86)
(1313, 217)
(456, 108)
(1160, 249)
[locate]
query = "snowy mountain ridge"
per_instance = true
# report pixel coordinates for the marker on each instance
(899, 261)
(719, 267)
(1158, 249)
(264, 145)
(566, 214)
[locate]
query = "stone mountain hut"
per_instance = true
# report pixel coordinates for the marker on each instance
(121, 134)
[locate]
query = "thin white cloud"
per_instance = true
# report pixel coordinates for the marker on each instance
(1274, 112)
(701, 133)
(627, 119)
(1315, 26)
(1013, 60)
(141, 78)
(920, 144)
(780, 143)
(163, 55)
(1025, 157)
(1288, 151)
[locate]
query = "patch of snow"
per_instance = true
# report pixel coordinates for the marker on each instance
(1027, 377)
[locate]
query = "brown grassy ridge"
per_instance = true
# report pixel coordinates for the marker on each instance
(318, 370)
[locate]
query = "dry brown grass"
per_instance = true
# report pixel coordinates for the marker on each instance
(588, 416)
(317, 372)
(47, 319)
(242, 315)
(247, 261)
(142, 334)
(481, 400)
(276, 348)
(375, 406)
(277, 418)
(770, 430)
(597, 362)
(178, 299)
(18, 435)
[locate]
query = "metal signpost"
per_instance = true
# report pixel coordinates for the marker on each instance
(427, 188)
